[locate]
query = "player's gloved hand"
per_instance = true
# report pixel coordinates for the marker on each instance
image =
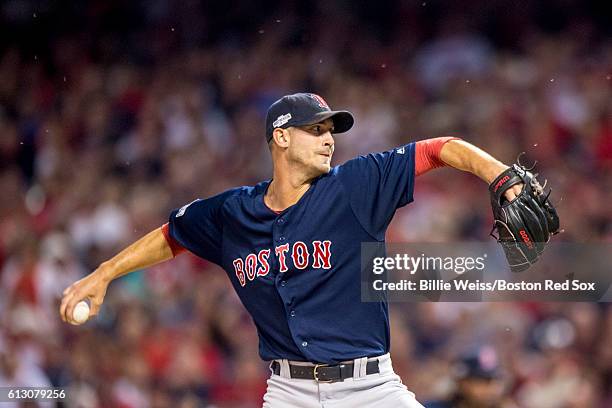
(524, 219)
(92, 287)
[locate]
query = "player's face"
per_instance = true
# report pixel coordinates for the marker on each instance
(313, 147)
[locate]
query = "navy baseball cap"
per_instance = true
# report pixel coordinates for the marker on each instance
(302, 109)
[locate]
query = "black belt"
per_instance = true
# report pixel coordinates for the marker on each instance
(325, 373)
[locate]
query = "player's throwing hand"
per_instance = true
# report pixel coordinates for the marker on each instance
(92, 287)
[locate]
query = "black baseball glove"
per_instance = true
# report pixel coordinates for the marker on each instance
(525, 224)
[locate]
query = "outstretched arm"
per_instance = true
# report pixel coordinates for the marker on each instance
(457, 153)
(149, 250)
(467, 157)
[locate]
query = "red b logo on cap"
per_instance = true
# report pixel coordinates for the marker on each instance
(319, 100)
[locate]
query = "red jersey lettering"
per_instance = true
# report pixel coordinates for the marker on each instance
(238, 267)
(300, 255)
(250, 264)
(280, 252)
(264, 268)
(321, 254)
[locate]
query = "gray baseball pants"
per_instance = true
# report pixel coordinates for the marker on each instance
(384, 389)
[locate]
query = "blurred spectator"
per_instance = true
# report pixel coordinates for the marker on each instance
(479, 383)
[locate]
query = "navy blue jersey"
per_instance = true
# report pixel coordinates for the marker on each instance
(298, 272)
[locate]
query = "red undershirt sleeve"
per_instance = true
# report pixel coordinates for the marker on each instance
(427, 154)
(174, 245)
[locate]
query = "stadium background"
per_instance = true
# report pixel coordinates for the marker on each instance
(114, 112)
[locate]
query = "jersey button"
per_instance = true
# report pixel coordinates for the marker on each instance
(281, 239)
(292, 313)
(280, 220)
(304, 344)
(283, 283)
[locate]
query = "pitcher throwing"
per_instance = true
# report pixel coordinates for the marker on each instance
(291, 247)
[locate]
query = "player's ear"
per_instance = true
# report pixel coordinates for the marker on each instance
(281, 137)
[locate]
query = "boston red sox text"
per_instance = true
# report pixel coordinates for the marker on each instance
(477, 285)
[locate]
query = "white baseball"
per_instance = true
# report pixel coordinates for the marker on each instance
(80, 314)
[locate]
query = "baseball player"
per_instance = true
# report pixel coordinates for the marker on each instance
(291, 249)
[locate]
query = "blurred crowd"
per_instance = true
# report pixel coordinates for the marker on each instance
(113, 114)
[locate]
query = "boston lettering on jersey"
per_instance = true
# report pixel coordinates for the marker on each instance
(298, 273)
(299, 253)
